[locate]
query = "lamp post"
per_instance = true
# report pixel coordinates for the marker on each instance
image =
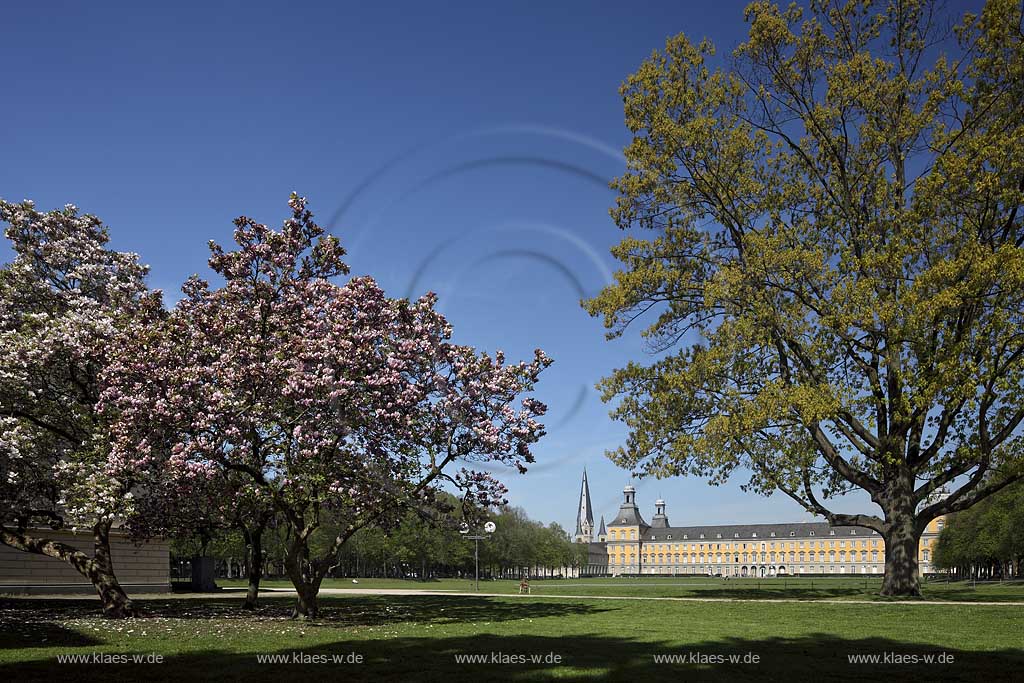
(489, 528)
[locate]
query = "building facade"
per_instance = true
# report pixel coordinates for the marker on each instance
(140, 568)
(631, 546)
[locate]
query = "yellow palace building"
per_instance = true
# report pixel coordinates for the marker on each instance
(629, 545)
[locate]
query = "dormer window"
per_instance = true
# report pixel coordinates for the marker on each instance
(718, 535)
(773, 534)
(685, 536)
(812, 533)
(853, 532)
(669, 537)
(753, 535)
(702, 535)
(832, 532)
(792, 533)
(735, 535)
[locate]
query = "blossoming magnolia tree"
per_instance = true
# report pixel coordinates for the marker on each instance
(330, 398)
(62, 300)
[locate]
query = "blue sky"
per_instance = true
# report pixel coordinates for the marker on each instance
(455, 147)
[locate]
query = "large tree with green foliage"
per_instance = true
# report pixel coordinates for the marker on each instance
(987, 539)
(829, 237)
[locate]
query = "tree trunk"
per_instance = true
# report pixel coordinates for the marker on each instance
(116, 604)
(306, 577)
(307, 605)
(901, 572)
(255, 561)
(99, 569)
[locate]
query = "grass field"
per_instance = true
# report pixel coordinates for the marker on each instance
(421, 637)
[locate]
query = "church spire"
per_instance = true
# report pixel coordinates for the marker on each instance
(584, 515)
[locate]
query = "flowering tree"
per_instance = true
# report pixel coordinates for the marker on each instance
(330, 398)
(62, 300)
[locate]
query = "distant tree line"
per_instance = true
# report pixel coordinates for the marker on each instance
(416, 548)
(987, 540)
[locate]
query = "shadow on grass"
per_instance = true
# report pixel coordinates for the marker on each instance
(40, 634)
(814, 657)
(781, 593)
(335, 611)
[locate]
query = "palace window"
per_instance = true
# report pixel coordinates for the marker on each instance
(702, 535)
(792, 533)
(753, 535)
(832, 532)
(773, 534)
(812, 533)
(669, 537)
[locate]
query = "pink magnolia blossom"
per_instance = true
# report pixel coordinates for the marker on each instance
(326, 396)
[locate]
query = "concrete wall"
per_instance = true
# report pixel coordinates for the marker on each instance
(140, 568)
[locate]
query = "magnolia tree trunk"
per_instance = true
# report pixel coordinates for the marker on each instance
(306, 577)
(307, 604)
(116, 604)
(252, 594)
(254, 541)
(99, 568)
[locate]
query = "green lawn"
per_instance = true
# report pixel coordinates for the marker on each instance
(419, 637)
(852, 588)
